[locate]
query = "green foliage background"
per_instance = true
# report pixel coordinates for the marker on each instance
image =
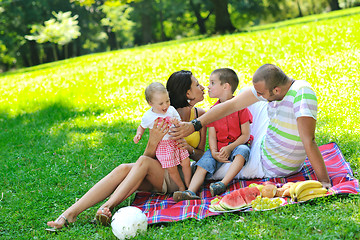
(64, 125)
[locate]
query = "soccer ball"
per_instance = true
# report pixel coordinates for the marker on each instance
(127, 222)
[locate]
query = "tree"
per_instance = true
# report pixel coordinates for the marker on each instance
(222, 17)
(334, 5)
(59, 31)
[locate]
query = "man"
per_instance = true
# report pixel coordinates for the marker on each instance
(290, 135)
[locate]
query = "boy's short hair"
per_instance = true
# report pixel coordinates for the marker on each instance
(272, 75)
(154, 87)
(227, 75)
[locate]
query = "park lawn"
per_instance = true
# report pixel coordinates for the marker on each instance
(64, 125)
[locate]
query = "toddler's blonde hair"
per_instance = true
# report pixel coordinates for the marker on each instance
(152, 89)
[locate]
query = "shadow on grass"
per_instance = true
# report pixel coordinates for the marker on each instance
(53, 156)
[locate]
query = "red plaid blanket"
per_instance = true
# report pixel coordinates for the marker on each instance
(162, 208)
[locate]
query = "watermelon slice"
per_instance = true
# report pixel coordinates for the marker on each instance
(217, 207)
(232, 201)
(249, 193)
(254, 192)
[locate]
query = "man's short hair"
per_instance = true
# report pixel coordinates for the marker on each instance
(272, 75)
(227, 75)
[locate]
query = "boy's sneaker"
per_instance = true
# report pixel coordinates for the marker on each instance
(217, 188)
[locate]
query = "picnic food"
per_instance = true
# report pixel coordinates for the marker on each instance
(305, 190)
(268, 191)
(259, 186)
(284, 191)
(232, 201)
(264, 203)
(236, 199)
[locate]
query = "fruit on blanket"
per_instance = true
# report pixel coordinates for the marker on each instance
(216, 206)
(305, 185)
(286, 193)
(288, 185)
(268, 191)
(310, 191)
(254, 192)
(264, 203)
(292, 189)
(259, 186)
(214, 201)
(248, 193)
(232, 201)
(253, 185)
(311, 196)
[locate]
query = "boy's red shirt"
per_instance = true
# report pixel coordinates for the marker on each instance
(228, 129)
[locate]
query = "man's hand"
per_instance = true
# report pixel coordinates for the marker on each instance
(184, 129)
(326, 185)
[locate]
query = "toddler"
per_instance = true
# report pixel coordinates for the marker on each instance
(167, 151)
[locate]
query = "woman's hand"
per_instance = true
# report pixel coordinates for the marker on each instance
(157, 133)
(182, 144)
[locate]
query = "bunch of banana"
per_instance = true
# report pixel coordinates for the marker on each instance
(305, 190)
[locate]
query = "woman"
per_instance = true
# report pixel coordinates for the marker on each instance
(146, 174)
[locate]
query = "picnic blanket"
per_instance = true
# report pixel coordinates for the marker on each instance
(162, 208)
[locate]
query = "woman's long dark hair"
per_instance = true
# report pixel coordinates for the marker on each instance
(177, 85)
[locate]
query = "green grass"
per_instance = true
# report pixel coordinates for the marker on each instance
(64, 125)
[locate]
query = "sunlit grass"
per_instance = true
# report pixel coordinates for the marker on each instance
(65, 125)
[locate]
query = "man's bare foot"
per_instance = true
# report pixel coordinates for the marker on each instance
(103, 216)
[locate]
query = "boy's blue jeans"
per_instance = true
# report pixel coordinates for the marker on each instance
(211, 165)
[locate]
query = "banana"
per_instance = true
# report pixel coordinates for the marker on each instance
(310, 191)
(292, 189)
(305, 185)
(311, 196)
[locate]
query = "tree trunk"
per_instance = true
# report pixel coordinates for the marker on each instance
(34, 55)
(146, 21)
(55, 55)
(200, 21)
(111, 39)
(334, 5)
(161, 15)
(299, 8)
(222, 17)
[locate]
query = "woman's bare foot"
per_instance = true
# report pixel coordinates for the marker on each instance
(103, 216)
(60, 222)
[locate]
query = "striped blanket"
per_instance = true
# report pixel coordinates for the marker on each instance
(162, 208)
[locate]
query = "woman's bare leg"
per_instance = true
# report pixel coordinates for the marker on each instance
(145, 168)
(97, 193)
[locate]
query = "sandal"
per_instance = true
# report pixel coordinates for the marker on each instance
(55, 229)
(102, 218)
(217, 188)
(184, 195)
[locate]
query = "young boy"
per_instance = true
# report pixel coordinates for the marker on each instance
(229, 139)
(167, 152)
